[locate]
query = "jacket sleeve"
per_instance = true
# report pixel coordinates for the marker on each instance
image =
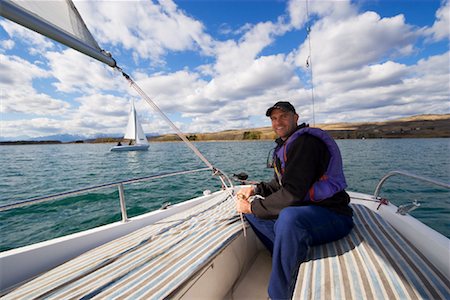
(305, 165)
(267, 188)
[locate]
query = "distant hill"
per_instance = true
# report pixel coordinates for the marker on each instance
(64, 138)
(420, 126)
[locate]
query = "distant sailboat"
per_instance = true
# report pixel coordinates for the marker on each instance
(134, 133)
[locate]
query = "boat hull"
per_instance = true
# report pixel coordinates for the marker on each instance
(130, 148)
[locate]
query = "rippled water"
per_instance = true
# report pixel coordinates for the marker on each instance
(38, 170)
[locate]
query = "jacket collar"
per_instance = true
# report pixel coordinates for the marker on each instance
(280, 142)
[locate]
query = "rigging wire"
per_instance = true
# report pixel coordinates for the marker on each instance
(309, 64)
(174, 127)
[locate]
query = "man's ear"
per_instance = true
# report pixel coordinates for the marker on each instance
(296, 118)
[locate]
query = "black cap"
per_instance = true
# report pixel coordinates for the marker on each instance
(283, 105)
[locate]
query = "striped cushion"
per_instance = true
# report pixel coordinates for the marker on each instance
(146, 264)
(373, 262)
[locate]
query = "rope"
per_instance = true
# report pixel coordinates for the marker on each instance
(188, 143)
(309, 64)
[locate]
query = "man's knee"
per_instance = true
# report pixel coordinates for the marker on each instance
(288, 220)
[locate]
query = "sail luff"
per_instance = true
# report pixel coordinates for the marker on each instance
(130, 132)
(15, 13)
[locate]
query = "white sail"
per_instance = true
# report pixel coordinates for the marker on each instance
(130, 132)
(141, 139)
(58, 20)
(134, 129)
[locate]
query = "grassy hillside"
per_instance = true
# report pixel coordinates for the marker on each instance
(422, 126)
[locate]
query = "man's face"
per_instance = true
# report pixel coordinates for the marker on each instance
(284, 123)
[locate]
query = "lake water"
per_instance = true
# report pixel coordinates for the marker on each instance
(38, 170)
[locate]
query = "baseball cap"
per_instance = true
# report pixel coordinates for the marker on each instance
(283, 105)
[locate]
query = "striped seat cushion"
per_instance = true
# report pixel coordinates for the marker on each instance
(146, 264)
(373, 262)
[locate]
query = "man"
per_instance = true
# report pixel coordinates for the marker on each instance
(304, 205)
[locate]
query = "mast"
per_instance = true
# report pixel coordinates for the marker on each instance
(309, 62)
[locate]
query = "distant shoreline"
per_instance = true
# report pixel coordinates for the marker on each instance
(19, 143)
(423, 126)
(29, 142)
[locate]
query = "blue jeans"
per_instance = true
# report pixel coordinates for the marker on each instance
(289, 237)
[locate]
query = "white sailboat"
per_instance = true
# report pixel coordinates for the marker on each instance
(134, 133)
(198, 249)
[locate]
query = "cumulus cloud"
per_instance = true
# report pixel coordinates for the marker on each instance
(356, 75)
(416, 89)
(76, 72)
(441, 27)
(37, 42)
(365, 68)
(298, 11)
(18, 93)
(148, 29)
(7, 44)
(34, 127)
(351, 43)
(234, 56)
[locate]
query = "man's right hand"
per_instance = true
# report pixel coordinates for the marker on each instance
(246, 192)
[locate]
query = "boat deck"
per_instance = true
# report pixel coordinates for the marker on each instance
(175, 258)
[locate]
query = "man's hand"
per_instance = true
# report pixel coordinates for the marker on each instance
(246, 192)
(243, 206)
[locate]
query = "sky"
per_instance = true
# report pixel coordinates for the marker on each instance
(214, 65)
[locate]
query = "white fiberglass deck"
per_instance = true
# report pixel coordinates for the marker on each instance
(166, 259)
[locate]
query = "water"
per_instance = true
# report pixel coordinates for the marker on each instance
(40, 170)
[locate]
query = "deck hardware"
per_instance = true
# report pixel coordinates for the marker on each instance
(382, 201)
(123, 207)
(165, 205)
(407, 208)
(407, 174)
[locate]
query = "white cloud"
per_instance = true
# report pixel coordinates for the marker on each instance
(173, 92)
(147, 29)
(235, 56)
(419, 89)
(364, 69)
(33, 128)
(333, 10)
(262, 75)
(441, 27)
(76, 72)
(355, 42)
(37, 42)
(18, 93)
(7, 44)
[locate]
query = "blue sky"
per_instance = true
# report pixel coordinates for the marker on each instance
(217, 65)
